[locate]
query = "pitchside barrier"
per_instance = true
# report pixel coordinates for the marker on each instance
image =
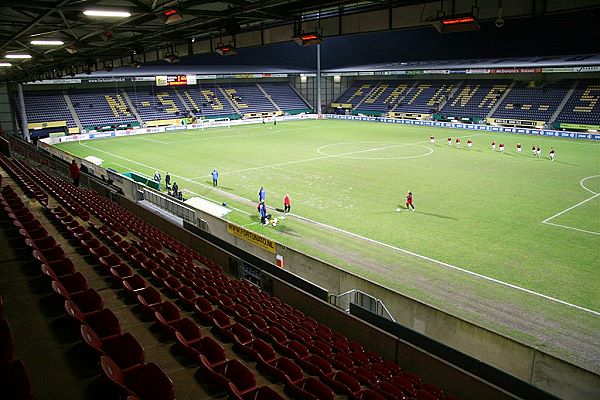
(473, 127)
(159, 129)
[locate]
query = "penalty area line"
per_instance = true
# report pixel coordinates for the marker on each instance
(444, 264)
(572, 228)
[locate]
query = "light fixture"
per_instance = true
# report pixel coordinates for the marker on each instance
(107, 13)
(308, 39)
(5, 64)
(225, 50)
(456, 23)
(171, 58)
(47, 42)
(171, 16)
(21, 56)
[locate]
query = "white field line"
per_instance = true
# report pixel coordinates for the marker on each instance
(578, 204)
(440, 263)
(444, 264)
(547, 220)
(570, 208)
(572, 228)
(152, 140)
(331, 156)
(241, 134)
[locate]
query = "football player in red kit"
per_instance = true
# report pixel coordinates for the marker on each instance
(409, 201)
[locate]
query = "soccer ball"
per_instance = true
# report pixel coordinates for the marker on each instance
(398, 209)
(274, 221)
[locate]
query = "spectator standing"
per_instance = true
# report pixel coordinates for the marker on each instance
(215, 177)
(286, 203)
(167, 180)
(157, 176)
(75, 173)
(262, 195)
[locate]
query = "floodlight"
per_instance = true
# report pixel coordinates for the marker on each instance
(18, 56)
(308, 39)
(5, 64)
(171, 16)
(226, 50)
(47, 42)
(458, 23)
(107, 13)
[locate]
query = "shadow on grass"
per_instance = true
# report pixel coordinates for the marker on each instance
(437, 215)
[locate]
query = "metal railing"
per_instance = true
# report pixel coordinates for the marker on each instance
(361, 299)
(170, 205)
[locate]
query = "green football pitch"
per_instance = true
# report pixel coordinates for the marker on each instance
(512, 219)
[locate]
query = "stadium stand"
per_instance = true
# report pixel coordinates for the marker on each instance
(426, 97)
(356, 93)
(156, 104)
(475, 98)
(533, 102)
(583, 107)
(249, 99)
(44, 107)
(385, 96)
(285, 97)
(207, 101)
(96, 107)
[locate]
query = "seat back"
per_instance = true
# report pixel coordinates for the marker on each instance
(317, 388)
(90, 338)
(290, 369)
(240, 375)
(212, 350)
(114, 374)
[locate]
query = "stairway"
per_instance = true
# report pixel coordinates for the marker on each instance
(268, 96)
(72, 110)
(563, 103)
(131, 107)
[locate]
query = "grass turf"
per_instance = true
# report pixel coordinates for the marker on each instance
(476, 209)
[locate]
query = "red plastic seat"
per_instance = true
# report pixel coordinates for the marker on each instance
(147, 381)
(262, 393)
(103, 322)
(203, 310)
(391, 392)
(72, 283)
(241, 335)
(134, 283)
(222, 323)
(310, 389)
(187, 295)
(124, 349)
(14, 382)
(285, 370)
(343, 383)
(169, 318)
(149, 299)
(50, 255)
(204, 346)
(315, 365)
(86, 300)
(172, 284)
(230, 371)
(365, 376)
(121, 271)
(59, 268)
(109, 261)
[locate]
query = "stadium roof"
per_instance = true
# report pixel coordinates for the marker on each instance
(92, 44)
(473, 63)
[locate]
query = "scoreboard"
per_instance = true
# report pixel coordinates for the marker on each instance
(175, 80)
